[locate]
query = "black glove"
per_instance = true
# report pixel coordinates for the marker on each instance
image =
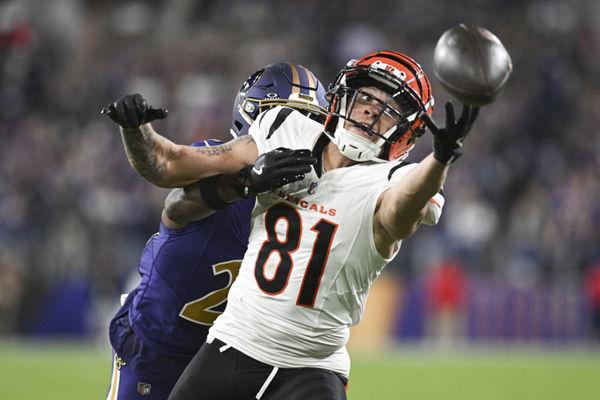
(447, 141)
(274, 169)
(131, 111)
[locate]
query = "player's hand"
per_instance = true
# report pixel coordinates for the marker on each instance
(274, 169)
(447, 141)
(131, 111)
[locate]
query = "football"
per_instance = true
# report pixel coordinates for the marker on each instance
(472, 64)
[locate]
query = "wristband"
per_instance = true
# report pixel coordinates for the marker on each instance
(241, 188)
(210, 194)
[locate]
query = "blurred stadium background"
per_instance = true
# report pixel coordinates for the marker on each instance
(515, 261)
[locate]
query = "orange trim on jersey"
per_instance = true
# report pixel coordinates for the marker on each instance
(435, 202)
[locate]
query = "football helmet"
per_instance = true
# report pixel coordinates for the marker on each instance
(207, 143)
(399, 76)
(284, 84)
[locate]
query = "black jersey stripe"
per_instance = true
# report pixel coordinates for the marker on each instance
(318, 153)
(395, 168)
(281, 116)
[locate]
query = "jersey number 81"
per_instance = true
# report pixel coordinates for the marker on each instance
(314, 271)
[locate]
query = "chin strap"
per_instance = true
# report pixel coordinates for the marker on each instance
(357, 147)
(351, 145)
(354, 146)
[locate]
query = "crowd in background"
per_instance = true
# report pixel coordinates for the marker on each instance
(523, 203)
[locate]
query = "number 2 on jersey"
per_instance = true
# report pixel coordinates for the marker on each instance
(200, 311)
(314, 271)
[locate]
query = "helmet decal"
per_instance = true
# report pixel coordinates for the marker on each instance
(390, 69)
(251, 81)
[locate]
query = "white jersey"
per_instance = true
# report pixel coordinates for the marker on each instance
(311, 256)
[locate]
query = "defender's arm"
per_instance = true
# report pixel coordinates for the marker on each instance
(272, 170)
(163, 162)
(167, 164)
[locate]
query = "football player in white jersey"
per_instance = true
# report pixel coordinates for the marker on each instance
(316, 245)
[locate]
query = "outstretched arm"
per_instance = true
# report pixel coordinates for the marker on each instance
(165, 163)
(401, 208)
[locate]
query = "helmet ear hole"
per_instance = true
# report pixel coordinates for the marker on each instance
(238, 125)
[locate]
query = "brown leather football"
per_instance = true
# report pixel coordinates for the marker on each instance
(472, 64)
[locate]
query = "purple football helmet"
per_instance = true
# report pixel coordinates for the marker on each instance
(280, 84)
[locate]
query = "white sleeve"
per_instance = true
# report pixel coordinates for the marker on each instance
(434, 205)
(434, 209)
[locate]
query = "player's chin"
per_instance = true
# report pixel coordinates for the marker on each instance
(361, 132)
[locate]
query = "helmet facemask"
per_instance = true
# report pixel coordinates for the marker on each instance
(403, 113)
(250, 107)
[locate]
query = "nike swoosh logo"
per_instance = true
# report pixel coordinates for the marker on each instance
(257, 171)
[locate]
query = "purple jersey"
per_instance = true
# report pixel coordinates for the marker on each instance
(186, 274)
